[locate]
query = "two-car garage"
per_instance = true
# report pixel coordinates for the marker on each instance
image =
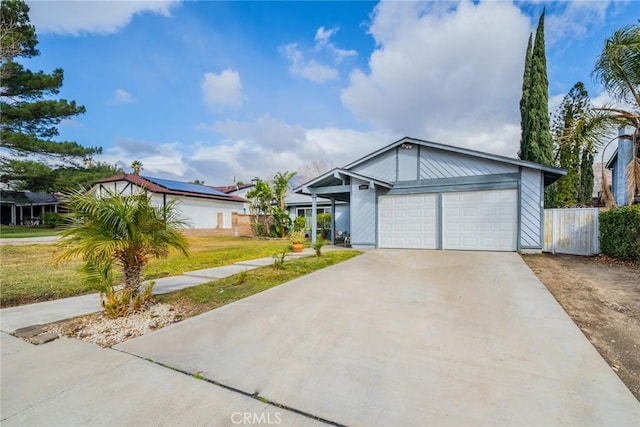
(466, 220)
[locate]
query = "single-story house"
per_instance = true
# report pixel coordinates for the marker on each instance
(424, 195)
(201, 206)
(300, 205)
(239, 190)
(618, 164)
(22, 207)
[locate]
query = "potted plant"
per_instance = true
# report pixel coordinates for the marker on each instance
(297, 239)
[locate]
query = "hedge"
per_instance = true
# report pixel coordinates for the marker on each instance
(620, 232)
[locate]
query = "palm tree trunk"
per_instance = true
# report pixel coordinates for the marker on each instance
(133, 277)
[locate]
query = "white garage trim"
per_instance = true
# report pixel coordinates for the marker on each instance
(480, 220)
(408, 221)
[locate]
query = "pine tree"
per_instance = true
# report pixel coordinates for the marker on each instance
(30, 116)
(574, 150)
(537, 143)
(524, 102)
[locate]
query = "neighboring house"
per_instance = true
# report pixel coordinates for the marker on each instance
(424, 195)
(300, 205)
(598, 169)
(618, 164)
(22, 207)
(239, 190)
(201, 206)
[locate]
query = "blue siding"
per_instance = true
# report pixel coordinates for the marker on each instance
(363, 214)
(530, 208)
(342, 218)
(408, 164)
(442, 164)
(619, 173)
(382, 167)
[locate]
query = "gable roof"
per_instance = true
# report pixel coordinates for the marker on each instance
(192, 190)
(551, 174)
(339, 171)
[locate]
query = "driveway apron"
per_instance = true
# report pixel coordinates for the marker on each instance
(399, 337)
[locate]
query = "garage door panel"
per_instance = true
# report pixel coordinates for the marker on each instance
(408, 221)
(480, 220)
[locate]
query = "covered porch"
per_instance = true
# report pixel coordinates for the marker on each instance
(22, 207)
(340, 185)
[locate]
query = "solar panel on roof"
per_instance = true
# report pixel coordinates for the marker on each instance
(186, 187)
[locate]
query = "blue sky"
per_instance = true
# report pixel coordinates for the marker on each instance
(211, 90)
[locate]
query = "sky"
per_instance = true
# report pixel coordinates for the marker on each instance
(214, 90)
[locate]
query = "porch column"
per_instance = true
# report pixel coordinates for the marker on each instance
(21, 216)
(55, 208)
(314, 218)
(13, 214)
(333, 221)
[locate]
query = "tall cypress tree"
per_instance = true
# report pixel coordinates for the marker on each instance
(524, 102)
(537, 143)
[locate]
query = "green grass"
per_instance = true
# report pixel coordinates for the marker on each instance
(29, 274)
(19, 231)
(214, 294)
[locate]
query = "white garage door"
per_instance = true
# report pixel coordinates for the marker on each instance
(407, 221)
(480, 220)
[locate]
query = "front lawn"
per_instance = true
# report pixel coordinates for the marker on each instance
(19, 231)
(208, 296)
(29, 274)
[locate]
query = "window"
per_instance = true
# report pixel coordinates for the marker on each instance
(306, 212)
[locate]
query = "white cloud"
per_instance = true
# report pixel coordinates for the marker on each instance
(222, 89)
(309, 69)
(323, 41)
(443, 73)
(323, 36)
(121, 96)
(91, 16)
(246, 149)
(574, 19)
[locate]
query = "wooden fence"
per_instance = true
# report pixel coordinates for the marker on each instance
(571, 231)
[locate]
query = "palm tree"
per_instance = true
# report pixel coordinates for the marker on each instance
(618, 70)
(281, 185)
(119, 231)
(136, 167)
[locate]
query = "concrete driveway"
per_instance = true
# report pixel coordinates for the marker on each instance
(399, 337)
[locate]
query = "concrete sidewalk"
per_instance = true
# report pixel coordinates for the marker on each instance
(73, 383)
(14, 318)
(43, 240)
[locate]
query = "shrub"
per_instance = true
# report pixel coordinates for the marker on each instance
(620, 232)
(279, 259)
(318, 246)
(52, 219)
(300, 223)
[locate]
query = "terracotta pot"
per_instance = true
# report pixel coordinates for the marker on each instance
(297, 247)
